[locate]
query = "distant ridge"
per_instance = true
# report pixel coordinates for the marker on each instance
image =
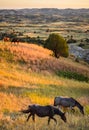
(50, 14)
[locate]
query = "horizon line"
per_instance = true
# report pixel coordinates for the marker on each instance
(40, 8)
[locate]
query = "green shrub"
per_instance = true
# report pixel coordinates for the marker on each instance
(73, 75)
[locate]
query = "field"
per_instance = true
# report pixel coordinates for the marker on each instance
(27, 76)
(77, 29)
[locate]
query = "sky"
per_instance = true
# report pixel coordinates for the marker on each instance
(19, 4)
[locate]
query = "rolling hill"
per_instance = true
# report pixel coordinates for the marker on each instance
(28, 74)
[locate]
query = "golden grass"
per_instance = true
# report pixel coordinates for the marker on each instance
(38, 59)
(37, 99)
(19, 78)
(20, 86)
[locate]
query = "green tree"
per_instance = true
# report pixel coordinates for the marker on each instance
(57, 44)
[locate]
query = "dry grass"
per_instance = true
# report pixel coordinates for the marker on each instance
(20, 86)
(38, 59)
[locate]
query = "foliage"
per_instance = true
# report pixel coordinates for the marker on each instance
(57, 44)
(73, 75)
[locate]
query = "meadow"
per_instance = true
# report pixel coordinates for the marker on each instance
(27, 76)
(42, 30)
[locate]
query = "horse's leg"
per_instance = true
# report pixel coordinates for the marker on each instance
(33, 117)
(72, 109)
(54, 119)
(29, 117)
(48, 120)
(17, 43)
(60, 107)
(12, 43)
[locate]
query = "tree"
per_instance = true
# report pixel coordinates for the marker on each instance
(57, 44)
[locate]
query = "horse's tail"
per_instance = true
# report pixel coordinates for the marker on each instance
(25, 111)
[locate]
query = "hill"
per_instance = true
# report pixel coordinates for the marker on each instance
(44, 15)
(28, 75)
(38, 59)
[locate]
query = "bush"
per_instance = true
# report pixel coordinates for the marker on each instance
(73, 75)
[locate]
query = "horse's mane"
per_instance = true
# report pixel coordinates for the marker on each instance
(77, 103)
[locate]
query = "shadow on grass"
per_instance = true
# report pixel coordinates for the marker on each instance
(48, 91)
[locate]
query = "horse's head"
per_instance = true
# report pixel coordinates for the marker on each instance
(82, 110)
(63, 117)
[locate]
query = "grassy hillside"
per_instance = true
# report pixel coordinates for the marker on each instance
(28, 75)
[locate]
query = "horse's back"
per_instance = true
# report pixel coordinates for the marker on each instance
(41, 111)
(64, 101)
(15, 41)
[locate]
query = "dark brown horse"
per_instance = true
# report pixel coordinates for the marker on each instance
(43, 111)
(68, 102)
(15, 41)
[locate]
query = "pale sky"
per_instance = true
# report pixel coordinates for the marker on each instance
(15, 4)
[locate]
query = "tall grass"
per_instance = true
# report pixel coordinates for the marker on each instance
(20, 86)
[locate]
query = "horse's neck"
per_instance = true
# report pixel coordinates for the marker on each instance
(58, 112)
(78, 105)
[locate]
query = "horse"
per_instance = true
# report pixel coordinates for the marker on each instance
(15, 41)
(44, 111)
(6, 39)
(68, 102)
